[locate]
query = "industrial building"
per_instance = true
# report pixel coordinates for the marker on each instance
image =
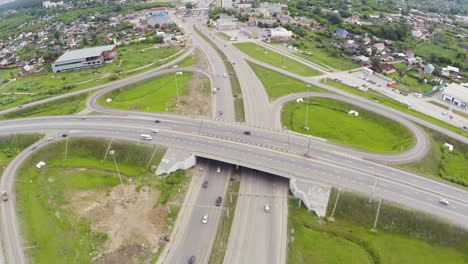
(84, 58)
(456, 94)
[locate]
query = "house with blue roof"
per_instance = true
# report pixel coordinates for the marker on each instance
(342, 33)
(429, 69)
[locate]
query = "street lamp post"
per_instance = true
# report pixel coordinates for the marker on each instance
(112, 153)
(306, 125)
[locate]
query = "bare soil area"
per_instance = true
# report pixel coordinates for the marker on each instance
(199, 101)
(134, 229)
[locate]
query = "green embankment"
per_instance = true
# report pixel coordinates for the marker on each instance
(329, 119)
(12, 145)
(403, 236)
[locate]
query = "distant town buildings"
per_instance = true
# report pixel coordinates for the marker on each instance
(49, 4)
(225, 22)
(279, 34)
(84, 58)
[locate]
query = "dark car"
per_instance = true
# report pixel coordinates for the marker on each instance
(64, 135)
(247, 133)
(218, 201)
(205, 184)
(157, 121)
(191, 260)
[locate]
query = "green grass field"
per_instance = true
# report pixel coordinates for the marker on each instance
(64, 106)
(323, 58)
(43, 196)
(403, 236)
(191, 60)
(329, 119)
(412, 82)
(275, 59)
(12, 145)
(440, 163)
(380, 98)
(277, 84)
(47, 84)
(156, 95)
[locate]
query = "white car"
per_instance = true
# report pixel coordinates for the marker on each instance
(444, 201)
(204, 219)
(84, 117)
(218, 170)
(49, 138)
(155, 131)
(267, 208)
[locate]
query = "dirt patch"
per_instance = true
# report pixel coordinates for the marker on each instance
(134, 229)
(198, 102)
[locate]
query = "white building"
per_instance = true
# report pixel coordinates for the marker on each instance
(84, 58)
(456, 94)
(280, 33)
(48, 4)
(226, 3)
(226, 23)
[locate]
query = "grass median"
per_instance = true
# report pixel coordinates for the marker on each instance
(380, 98)
(403, 235)
(329, 119)
(225, 224)
(278, 85)
(73, 210)
(276, 59)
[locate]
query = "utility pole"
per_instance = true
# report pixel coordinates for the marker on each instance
(376, 217)
(332, 218)
(108, 148)
(112, 153)
(177, 86)
(306, 125)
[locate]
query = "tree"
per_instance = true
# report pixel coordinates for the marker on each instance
(335, 19)
(376, 62)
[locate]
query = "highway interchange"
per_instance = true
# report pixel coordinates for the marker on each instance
(269, 149)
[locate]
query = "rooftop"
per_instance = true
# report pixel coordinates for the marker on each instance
(84, 53)
(457, 91)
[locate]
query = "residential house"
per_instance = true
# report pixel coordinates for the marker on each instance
(352, 20)
(387, 68)
(342, 33)
(409, 53)
(279, 34)
(429, 69)
(379, 47)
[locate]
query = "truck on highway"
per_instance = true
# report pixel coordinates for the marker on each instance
(146, 137)
(4, 196)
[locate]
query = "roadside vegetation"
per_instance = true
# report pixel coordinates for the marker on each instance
(442, 163)
(276, 59)
(160, 95)
(131, 60)
(12, 145)
(191, 60)
(224, 227)
(235, 85)
(73, 210)
(380, 98)
(403, 235)
(330, 119)
(66, 106)
(278, 85)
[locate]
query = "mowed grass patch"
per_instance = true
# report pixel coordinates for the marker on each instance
(66, 106)
(156, 95)
(275, 59)
(12, 145)
(403, 235)
(277, 84)
(440, 162)
(380, 98)
(48, 221)
(329, 119)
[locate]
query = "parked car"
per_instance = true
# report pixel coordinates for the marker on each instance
(205, 184)
(218, 201)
